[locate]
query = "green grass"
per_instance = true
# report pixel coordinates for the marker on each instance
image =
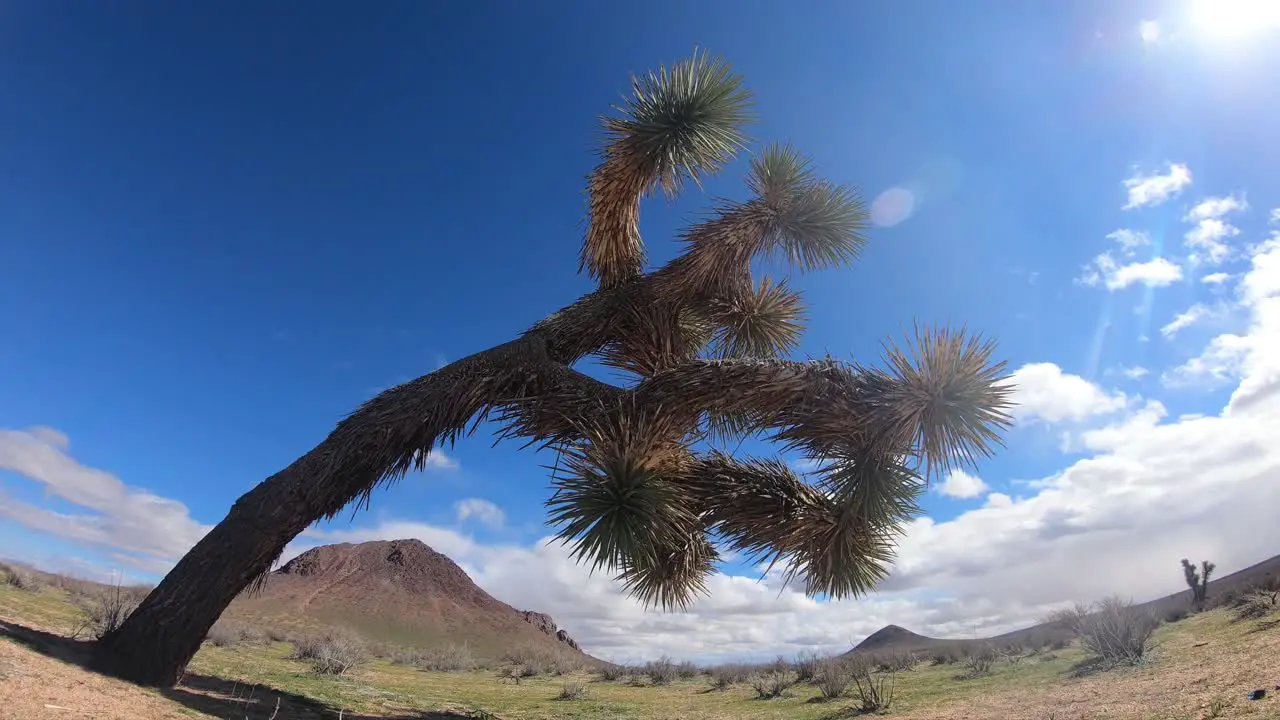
(383, 688)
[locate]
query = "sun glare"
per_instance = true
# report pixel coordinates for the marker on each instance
(1231, 19)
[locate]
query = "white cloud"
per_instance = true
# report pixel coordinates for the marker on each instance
(1217, 278)
(147, 526)
(438, 460)
(480, 510)
(960, 484)
(1216, 207)
(1104, 270)
(1207, 241)
(1137, 372)
(1044, 392)
(1185, 319)
(1149, 31)
(1129, 240)
(1219, 363)
(1146, 190)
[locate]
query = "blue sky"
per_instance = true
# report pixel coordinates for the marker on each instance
(224, 226)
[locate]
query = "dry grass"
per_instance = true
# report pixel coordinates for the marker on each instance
(1202, 662)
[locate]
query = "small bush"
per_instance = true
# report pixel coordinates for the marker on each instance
(773, 683)
(661, 671)
(1176, 613)
(612, 673)
(728, 675)
(276, 635)
(446, 658)
(1256, 604)
(573, 690)
(948, 656)
(21, 578)
(979, 659)
(806, 665)
(873, 692)
(222, 635)
(1113, 630)
(686, 671)
(832, 678)
(899, 661)
(106, 609)
(331, 654)
(543, 661)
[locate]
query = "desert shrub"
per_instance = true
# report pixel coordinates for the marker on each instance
(612, 673)
(106, 609)
(728, 675)
(979, 658)
(661, 671)
(276, 635)
(1012, 653)
(1257, 604)
(1176, 613)
(1060, 643)
(873, 692)
(944, 656)
(806, 664)
(542, 661)
(332, 653)
(21, 578)
(1113, 630)
(773, 683)
(686, 670)
(832, 678)
(222, 635)
(445, 658)
(899, 661)
(1048, 657)
(573, 690)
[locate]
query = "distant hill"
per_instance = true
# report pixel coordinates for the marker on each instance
(398, 591)
(894, 638)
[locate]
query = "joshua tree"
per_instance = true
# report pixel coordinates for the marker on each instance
(641, 489)
(1197, 580)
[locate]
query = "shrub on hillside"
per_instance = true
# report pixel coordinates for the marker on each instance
(728, 675)
(832, 677)
(105, 609)
(1257, 604)
(538, 660)
(661, 671)
(21, 578)
(898, 661)
(332, 653)
(979, 658)
(873, 692)
(773, 683)
(686, 670)
(1176, 613)
(946, 656)
(222, 635)
(444, 658)
(806, 665)
(573, 690)
(612, 673)
(1113, 630)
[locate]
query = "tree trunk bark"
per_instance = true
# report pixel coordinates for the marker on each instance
(155, 643)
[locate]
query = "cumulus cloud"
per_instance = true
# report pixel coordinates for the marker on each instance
(148, 527)
(1129, 240)
(1155, 188)
(1105, 271)
(1207, 239)
(1217, 278)
(480, 510)
(1137, 372)
(1044, 392)
(960, 484)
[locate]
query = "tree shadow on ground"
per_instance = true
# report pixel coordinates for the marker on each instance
(212, 695)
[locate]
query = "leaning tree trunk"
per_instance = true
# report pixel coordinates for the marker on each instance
(156, 642)
(382, 439)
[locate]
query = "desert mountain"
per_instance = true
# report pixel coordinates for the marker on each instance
(398, 591)
(894, 638)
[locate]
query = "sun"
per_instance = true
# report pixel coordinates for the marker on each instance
(1233, 19)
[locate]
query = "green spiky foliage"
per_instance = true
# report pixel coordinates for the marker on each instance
(645, 484)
